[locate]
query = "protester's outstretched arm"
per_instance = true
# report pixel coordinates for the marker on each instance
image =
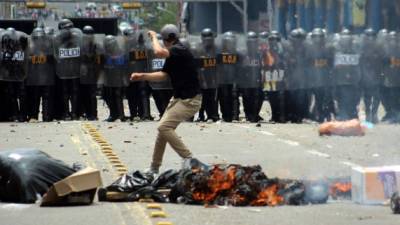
(159, 51)
(155, 76)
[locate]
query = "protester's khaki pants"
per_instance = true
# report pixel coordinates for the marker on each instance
(177, 111)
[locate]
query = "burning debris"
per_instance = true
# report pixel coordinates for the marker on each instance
(219, 184)
(340, 190)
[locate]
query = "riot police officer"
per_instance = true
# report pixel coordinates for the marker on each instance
(391, 80)
(67, 54)
(89, 74)
(207, 57)
(227, 68)
(3, 97)
(115, 75)
(346, 76)
(371, 70)
(137, 92)
(295, 56)
(249, 78)
(13, 71)
(41, 76)
(273, 73)
(320, 58)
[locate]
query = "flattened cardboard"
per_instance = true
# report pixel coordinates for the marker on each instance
(79, 188)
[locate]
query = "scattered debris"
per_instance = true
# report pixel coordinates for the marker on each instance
(127, 141)
(395, 203)
(12, 131)
(217, 185)
(342, 128)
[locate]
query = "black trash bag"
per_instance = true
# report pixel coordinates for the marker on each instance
(26, 173)
(166, 180)
(395, 203)
(132, 182)
(293, 192)
(148, 192)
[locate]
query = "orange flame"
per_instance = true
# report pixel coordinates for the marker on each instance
(268, 196)
(340, 187)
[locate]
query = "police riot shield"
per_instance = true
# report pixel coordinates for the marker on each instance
(138, 54)
(14, 51)
(346, 70)
(115, 62)
(206, 55)
(67, 53)
(89, 60)
(156, 64)
(319, 59)
(41, 66)
(391, 67)
(273, 66)
(228, 60)
(250, 75)
(295, 57)
(371, 60)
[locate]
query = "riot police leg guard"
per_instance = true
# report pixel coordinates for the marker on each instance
(209, 105)
(226, 102)
(66, 90)
(213, 105)
(235, 103)
(387, 104)
(58, 106)
(273, 98)
(108, 97)
(91, 112)
(75, 99)
(47, 103)
(33, 101)
(201, 116)
(132, 95)
(119, 104)
(2, 102)
(144, 106)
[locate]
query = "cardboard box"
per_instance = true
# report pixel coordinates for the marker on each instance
(77, 189)
(374, 185)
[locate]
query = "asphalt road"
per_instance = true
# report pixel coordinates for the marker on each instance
(283, 150)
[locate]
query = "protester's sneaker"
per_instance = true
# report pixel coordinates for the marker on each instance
(151, 171)
(186, 162)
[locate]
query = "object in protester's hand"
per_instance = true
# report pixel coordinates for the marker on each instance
(26, 173)
(395, 203)
(342, 128)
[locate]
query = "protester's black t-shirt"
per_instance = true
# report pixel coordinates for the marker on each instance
(181, 68)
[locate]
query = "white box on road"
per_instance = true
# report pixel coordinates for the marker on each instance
(374, 185)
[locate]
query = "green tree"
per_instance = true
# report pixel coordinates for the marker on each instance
(156, 17)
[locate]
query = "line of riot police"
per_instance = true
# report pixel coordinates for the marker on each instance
(63, 70)
(309, 76)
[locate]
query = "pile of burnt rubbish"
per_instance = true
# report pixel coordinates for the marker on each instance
(232, 184)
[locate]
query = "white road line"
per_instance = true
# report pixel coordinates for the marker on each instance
(266, 133)
(243, 126)
(317, 153)
(289, 142)
(349, 164)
